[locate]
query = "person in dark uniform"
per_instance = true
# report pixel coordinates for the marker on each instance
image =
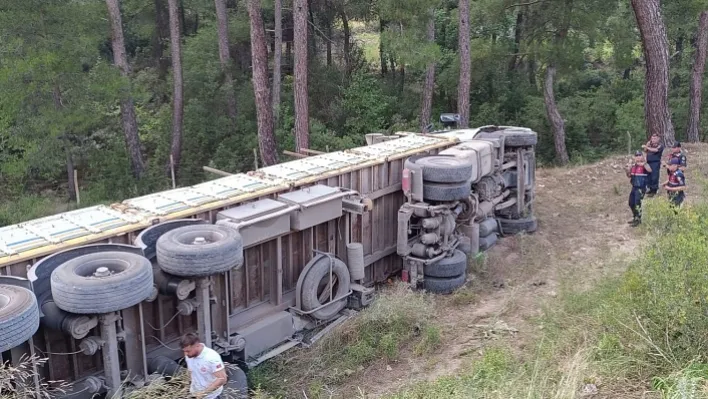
(677, 153)
(676, 185)
(654, 150)
(638, 174)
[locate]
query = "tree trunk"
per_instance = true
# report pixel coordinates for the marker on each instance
(517, 41)
(225, 57)
(277, 59)
(463, 39)
(301, 101)
(656, 56)
(696, 90)
(429, 86)
(382, 56)
(127, 109)
(264, 110)
(312, 34)
(554, 116)
(162, 33)
(347, 44)
(66, 144)
(177, 93)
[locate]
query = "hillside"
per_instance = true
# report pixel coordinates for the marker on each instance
(583, 241)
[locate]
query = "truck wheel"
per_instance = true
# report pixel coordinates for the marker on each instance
(438, 285)
(516, 226)
(102, 282)
(519, 138)
(199, 251)
(237, 385)
(487, 227)
(445, 168)
(315, 283)
(446, 192)
(452, 266)
(487, 242)
(19, 316)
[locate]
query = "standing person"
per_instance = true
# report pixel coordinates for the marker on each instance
(206, 369)
(654, 149)
(638, 174)
(676, 185)
(677, 153)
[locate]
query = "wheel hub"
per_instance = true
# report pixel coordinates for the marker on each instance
(102, 272)
(200, 241)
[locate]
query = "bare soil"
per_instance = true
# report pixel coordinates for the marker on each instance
(583, 215)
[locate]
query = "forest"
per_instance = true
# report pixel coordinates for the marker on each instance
(121, 94)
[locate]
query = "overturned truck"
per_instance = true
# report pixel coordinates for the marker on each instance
(255, 263)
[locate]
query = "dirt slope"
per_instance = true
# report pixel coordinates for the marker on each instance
(583, 216)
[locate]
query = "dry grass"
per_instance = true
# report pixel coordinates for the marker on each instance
(17, 381)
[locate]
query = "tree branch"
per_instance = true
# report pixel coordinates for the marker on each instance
(524, 4)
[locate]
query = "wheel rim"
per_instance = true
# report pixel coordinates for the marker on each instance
(438, 161)
(198, 238)
(101, 268)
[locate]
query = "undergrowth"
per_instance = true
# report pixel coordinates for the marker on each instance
(398, 318)
(642, 333)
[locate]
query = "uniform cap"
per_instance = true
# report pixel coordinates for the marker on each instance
(677, 144)
(637, 153)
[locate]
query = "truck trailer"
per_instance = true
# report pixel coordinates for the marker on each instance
(255, 263)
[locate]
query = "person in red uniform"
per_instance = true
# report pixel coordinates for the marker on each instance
(677, 153)
(638, 174)
(676, 185)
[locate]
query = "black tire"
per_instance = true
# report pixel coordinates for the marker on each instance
(177, 254)
(487, 242)
(487, 188)
(312, 285)
(75, 289)
(237, 385)
(452, 266)
(446, 192)
(516, 226)
(445, 168)
(444, 285)
(519, 138)
(19, 316)
(488, 226)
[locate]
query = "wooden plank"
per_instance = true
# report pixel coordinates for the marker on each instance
(295, 154)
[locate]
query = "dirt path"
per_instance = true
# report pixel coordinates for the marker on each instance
(583, 216)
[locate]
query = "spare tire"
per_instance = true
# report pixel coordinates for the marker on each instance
(200, 250)
(102, 282)
(444, 168)
(446, 192)
(516, 226)
(315, 282)
(439, 285)
(519, 138)
(19, 316)
(451, 266)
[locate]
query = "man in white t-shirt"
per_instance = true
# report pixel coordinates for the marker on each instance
(208, 375)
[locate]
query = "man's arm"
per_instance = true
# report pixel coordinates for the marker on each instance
(221, 380)
(647, 167)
